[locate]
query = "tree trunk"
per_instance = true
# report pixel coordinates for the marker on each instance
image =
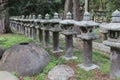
(4, 17)
(68, 7)
(7, 26)
(76, 13)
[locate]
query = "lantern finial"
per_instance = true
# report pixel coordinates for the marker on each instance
(86, 16)
(34, 17)
(56, 15)
(47, 16)
(39, 16)
(69, 15)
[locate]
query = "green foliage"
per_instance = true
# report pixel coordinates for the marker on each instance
(40, 77)
(27, 7)
(26, 78)
(83, 75)
(103, 61)
(49, 67)
(15, 74)
(112, 5)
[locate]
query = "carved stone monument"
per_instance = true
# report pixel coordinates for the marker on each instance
(67, 30)
(87, 35)
(55, 29)
(114, 42)
(46, 26)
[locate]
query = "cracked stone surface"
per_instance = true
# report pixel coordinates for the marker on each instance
(60, 72)
(26, 59)
(4, 75)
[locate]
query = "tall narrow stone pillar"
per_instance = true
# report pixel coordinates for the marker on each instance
(87, 52)
(47, 36)
(46, 26)
(86, 27)
(69, 45)
(67, 26)
(40, 31)
(34, 27)
(40, 34)
(55, 29)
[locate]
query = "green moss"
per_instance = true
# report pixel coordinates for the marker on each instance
(10, 39)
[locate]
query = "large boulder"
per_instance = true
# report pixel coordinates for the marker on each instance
(26, 59)
(4, 75)
(1, 51)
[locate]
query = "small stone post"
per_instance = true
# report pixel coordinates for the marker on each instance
(114, 42)
(67, 26)
(46, 26)
(55, 29)
(87, 35)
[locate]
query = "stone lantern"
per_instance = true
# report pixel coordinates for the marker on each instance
(32, 27)
(114, 43)
(46, 26)
(26, 22)
(67, 30)
(86, 28)
(55, 28)
(12, 22)
(40, 31)
(34, 30)
(17, 23)
(102, 30)
(37, 27)
(22, 24)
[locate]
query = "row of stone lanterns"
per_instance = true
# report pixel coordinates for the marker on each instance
(86, 27)
(57, 25)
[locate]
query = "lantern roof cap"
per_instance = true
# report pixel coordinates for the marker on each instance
(56, 18)
(115, 24)
(68, 20)
(47, 16)
(39, 16)
(116, 13)
(86, 22)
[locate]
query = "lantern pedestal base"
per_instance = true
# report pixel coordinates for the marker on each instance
(57, 51)
(48, 46)
(88, 68)
(69, 58)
